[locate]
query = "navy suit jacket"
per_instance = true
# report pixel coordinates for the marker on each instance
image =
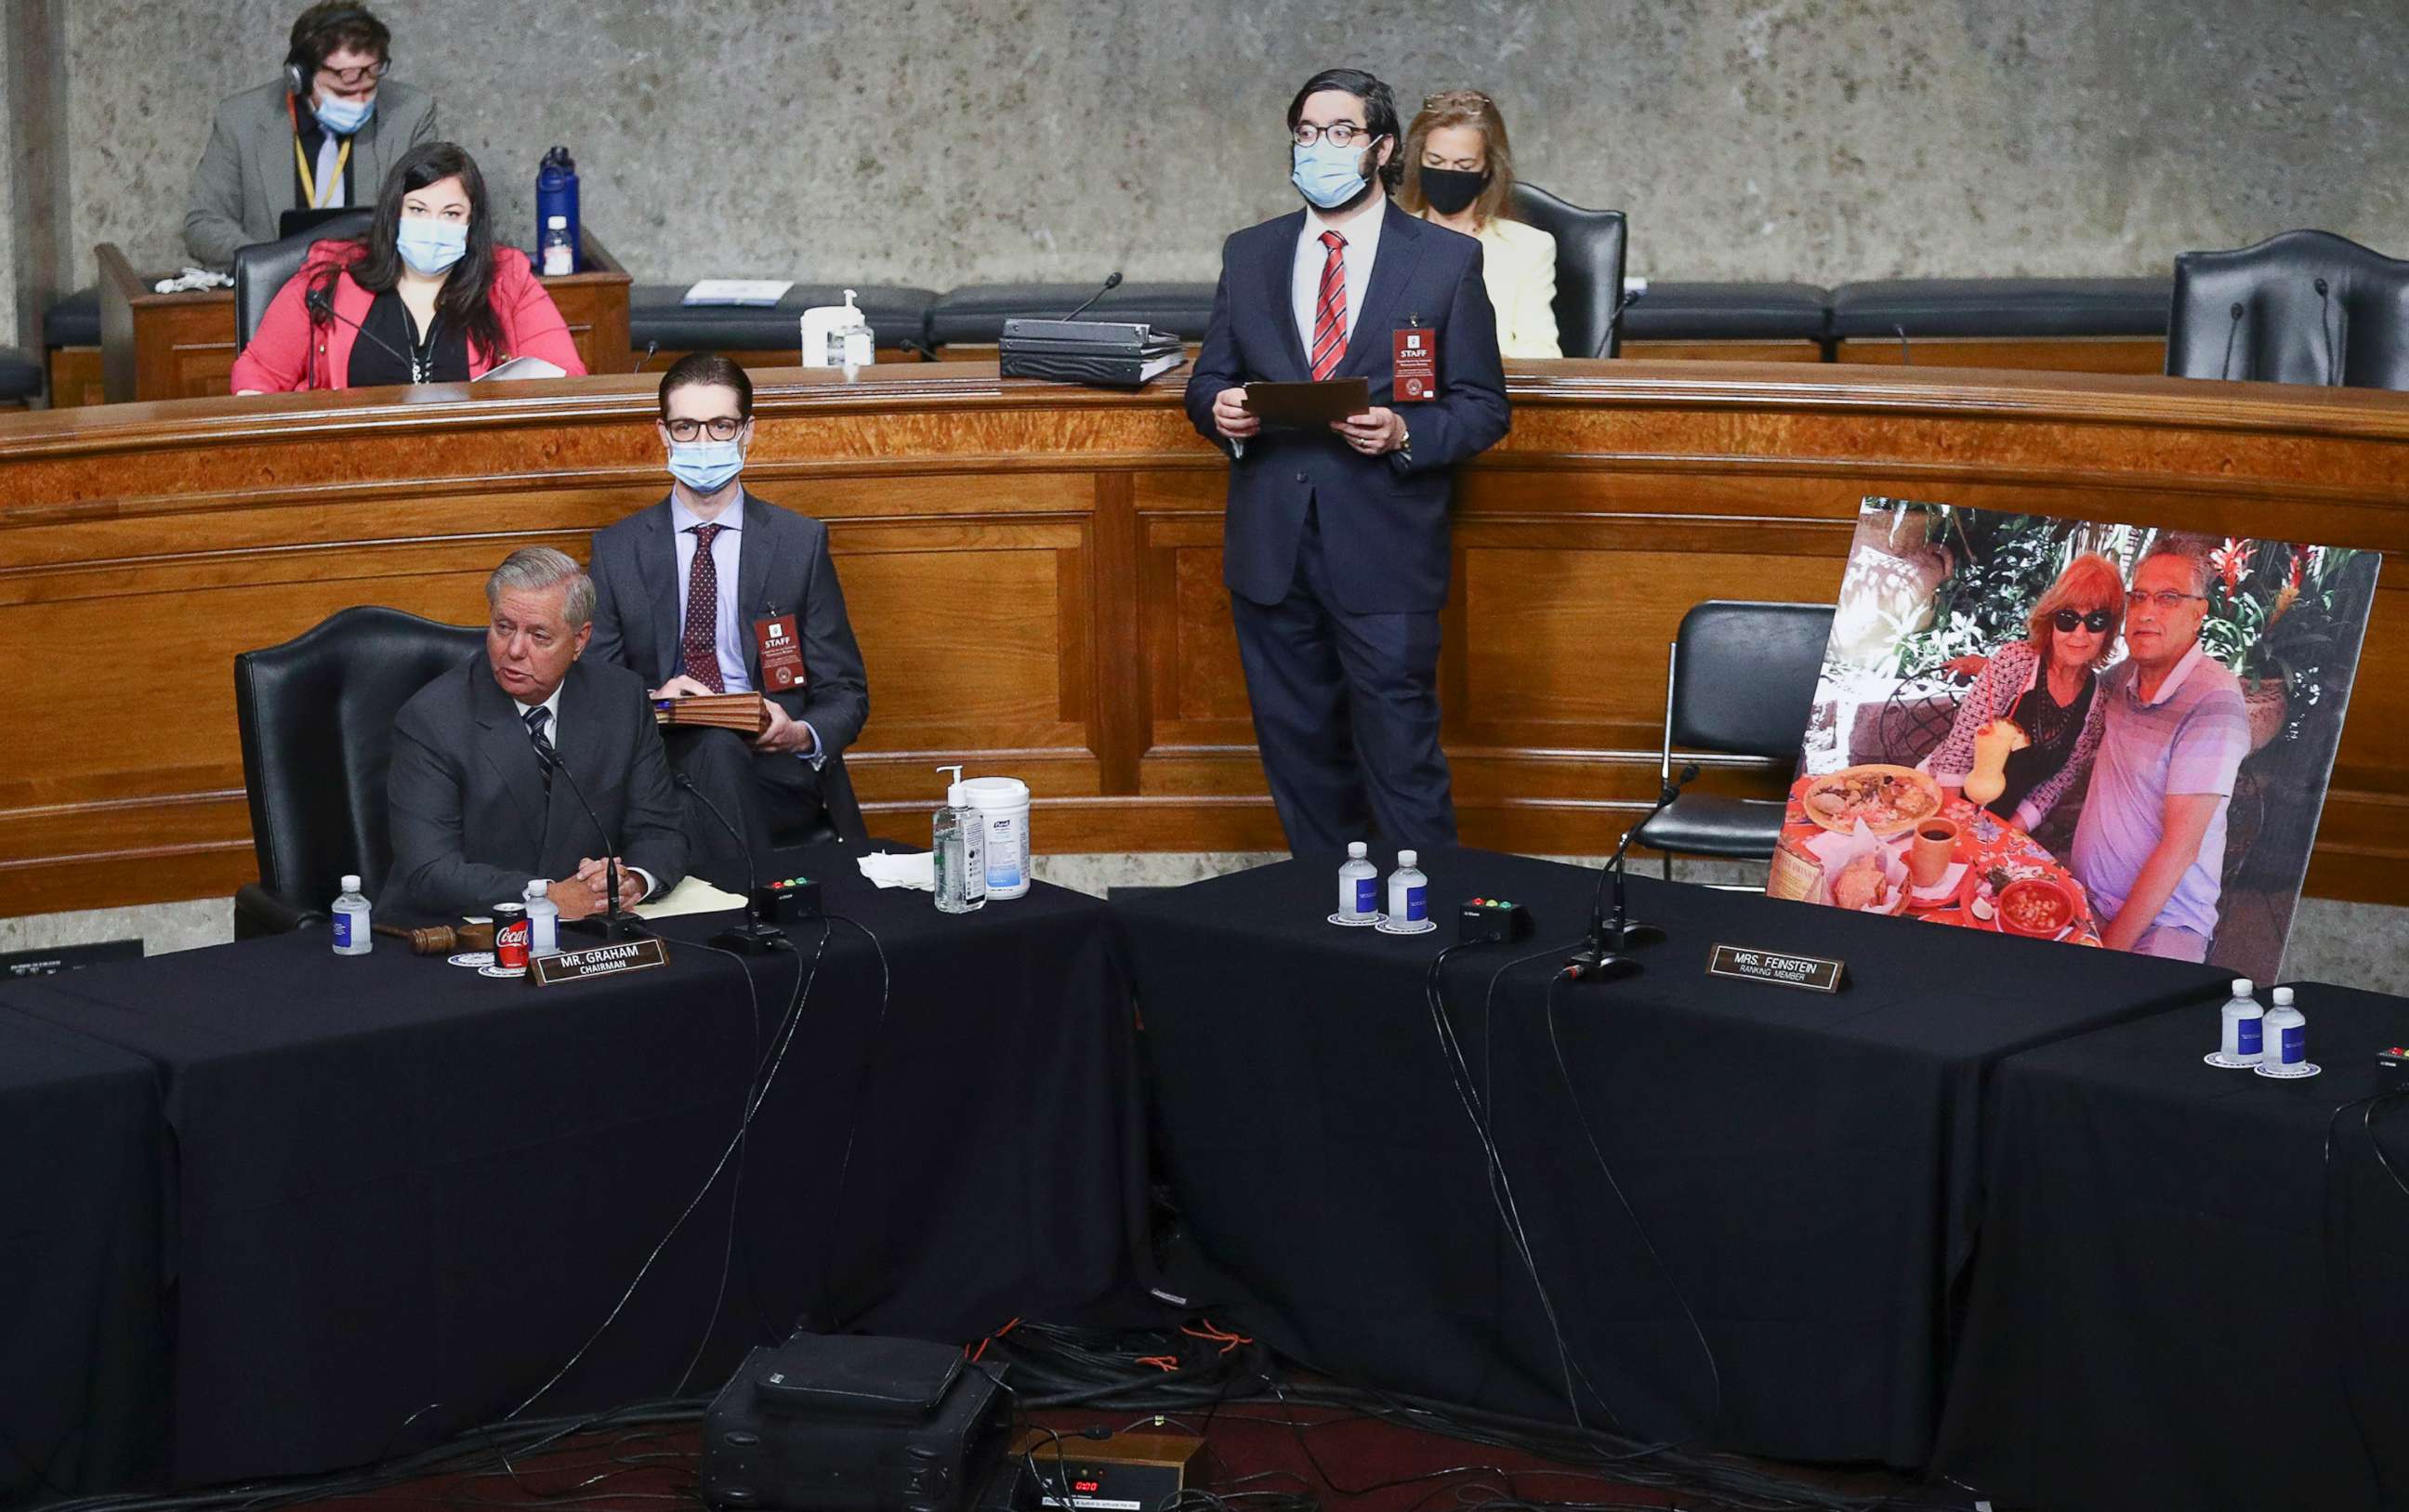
(1384, 519)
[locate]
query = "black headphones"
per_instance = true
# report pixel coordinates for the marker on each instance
(301, 62)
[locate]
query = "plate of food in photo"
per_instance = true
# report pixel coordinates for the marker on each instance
(1887, 800)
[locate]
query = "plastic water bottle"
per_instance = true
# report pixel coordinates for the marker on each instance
(1408, 892)
(2288, 1034)
(543, 920)
(559, 254)
(1358, 883)
(2242, 1017)
(957, 835)
(352, 936)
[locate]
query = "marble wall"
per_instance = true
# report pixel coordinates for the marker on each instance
(948, 142)
(8, 196)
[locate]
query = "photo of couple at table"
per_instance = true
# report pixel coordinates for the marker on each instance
(2089, 731)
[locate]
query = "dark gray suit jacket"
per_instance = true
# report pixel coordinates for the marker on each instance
(782, 566)
(245, 179)
(471, 821)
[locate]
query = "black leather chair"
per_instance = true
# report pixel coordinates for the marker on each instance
(2258, 313)
(659, 316)
(20, 376)
(1589, 268)
(316, 715)
(265, 268)
(1883, 309)
(974, 315)
(1741, 681)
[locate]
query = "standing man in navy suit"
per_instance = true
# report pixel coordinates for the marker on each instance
(1335, 547)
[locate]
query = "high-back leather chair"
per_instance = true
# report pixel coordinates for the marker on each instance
(2305, 306)
(262, 268)
(1741, 682)
(316, 715)
(1589, 268)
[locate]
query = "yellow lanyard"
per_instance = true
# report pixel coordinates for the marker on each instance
(301, 161)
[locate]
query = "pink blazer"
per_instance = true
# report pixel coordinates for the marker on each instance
(290, 352)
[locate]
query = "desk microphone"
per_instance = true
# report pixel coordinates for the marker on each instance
(616, 924)
(1110, 284)
(1906, 353)
(650, 347)
(752, 935)
(1603, 956)
(2232, 329)
(322, 309)
(2325, 333)
(1606, 342)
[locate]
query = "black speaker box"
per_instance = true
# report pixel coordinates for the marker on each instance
(831, 1423)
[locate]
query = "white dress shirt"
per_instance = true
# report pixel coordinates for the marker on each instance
(1361, 226)
(727, 626)
(552, 736)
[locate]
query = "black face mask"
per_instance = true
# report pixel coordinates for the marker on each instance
(1449, 190)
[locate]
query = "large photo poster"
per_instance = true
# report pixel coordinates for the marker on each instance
(2101, 733)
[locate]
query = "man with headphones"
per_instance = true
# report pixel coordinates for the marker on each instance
(320, 137)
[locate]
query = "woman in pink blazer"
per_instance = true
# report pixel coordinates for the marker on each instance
(426, 299)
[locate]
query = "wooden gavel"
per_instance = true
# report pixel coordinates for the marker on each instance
(439, 939)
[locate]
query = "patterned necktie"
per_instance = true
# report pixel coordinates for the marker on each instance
(1330, 310)
(699, 649)
(536, 718)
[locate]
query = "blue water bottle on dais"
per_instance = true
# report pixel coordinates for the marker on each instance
(351, 920)
(555, 195)
(2239, 1045)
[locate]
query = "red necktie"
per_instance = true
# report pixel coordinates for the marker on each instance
(1330, 310)
(699, 649)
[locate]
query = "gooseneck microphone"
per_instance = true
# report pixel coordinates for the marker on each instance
(2234, 312)
(752, 934)
(322, 311)
(1603, 955)
(1112, 282)
(650, 347)
(614, 924)
(1906, 353)
(1613, 320)
(2326, 333)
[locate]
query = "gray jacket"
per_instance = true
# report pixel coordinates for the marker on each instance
(245, 179)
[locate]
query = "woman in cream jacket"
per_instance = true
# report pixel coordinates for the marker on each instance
(1460, 174)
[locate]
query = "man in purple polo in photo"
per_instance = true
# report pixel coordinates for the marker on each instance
(2150, 848)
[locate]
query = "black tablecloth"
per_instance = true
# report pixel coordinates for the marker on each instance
(82, 1344)
(401, 1188)
(2174, 1285)
(1806, 1165)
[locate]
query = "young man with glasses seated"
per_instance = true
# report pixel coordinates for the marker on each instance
(321, 136)
(694, 591)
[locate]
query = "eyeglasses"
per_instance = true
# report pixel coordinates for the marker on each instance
(1340, 133)
(722, 429)
(2166, 599)
(354, 78)
(2097, 622)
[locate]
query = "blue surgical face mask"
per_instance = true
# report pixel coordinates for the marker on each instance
(343, 117)
(705, 467)
(1327, 174)
(430, 247)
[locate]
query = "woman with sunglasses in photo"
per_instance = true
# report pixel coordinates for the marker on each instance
(426, 297)
(2046, 683)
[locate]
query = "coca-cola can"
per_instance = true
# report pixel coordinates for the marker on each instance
(511, 936)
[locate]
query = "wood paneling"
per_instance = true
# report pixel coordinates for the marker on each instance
(1035, 575)
(76, 377)
(2137, 354)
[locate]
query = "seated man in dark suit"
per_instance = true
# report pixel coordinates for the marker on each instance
(489, 761)
(686, 592)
